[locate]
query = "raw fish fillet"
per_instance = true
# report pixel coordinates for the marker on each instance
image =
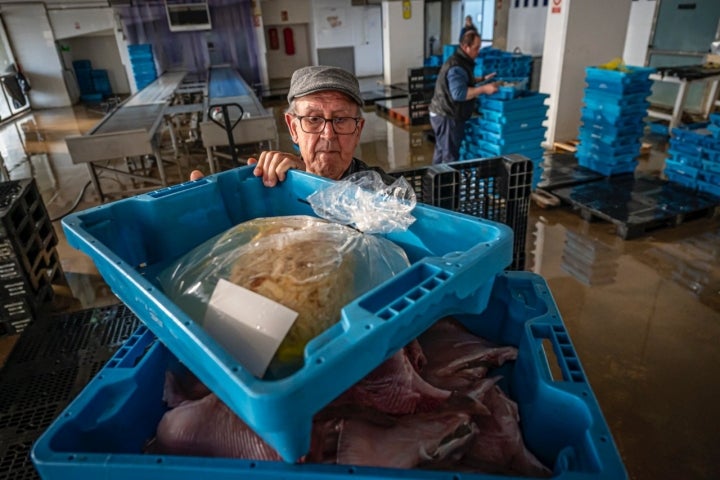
(499, 446)
(415, 440)
(208, 428)
(394, 387)
(456, 358)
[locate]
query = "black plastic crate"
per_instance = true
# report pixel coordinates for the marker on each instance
(422, 79)
(29, 262)
(496, 189)
(50, 364)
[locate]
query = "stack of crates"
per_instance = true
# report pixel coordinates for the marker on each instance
(94, 83)
(496, 189)
(613, 118)
(510, 121)
(507, 66)
(421, 85)
(694, 157)
(456, 269)
(101, 82)
(143, 64)
(29, 262)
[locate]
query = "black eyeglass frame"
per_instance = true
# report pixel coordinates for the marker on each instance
(326, 120)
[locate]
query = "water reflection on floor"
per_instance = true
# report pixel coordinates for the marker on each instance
(644, 314)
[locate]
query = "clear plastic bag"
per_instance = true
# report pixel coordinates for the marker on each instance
(310, 265)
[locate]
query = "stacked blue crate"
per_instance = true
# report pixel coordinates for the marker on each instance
(694, 158)
(143, 64)
(511, 121)
(508, 66)
(613, 118)
(83, 74)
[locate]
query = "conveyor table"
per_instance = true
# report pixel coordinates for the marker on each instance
(226, 87)
(128, 131)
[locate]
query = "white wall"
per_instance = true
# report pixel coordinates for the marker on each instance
(29, 31)
(298, 11)
(402, 40)
(80, 21)
(279, 63)
(638, 33)
(526, 29)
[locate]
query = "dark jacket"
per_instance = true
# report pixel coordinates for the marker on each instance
(442, 102)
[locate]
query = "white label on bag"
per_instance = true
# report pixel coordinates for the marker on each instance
(249, 326)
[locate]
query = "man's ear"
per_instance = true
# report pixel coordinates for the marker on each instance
(360, 126)
(292, 126)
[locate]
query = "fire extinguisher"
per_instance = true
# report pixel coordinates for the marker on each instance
(273, 38)
(289, 41)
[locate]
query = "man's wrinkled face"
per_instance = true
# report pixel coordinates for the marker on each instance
(325, 153)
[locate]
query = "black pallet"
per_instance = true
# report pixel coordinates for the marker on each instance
(50, 364)
(496, 189)
(637, 205)
(562, 170)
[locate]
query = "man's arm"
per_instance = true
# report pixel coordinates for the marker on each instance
(459, 90)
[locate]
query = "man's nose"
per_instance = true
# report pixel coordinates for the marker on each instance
(328, 129)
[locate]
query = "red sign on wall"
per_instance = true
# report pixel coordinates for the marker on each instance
(556, 6)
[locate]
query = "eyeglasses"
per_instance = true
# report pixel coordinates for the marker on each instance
(340, 125)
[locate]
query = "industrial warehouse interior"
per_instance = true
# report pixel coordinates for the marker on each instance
(580, 230)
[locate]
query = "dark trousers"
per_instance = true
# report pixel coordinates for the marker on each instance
(449, 133)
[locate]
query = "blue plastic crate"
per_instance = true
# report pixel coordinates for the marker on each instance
(517, 147)
(518, 137)
(615, 88)
(681, 169)
(681, 179)
(611, 138)
(711, 166)
(624, 125)
(502, 128)
(454, 259)
(712, 189)
(515, 116)
(601, 97)
(528, 100)
(614, 113)
(693, 160)
(102, 432)
(611, 150)
(631, 74)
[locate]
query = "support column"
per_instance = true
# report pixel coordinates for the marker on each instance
(500, 31)
(261, 46)
(402, 39)
(578, 34)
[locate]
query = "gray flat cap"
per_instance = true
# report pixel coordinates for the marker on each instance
(320, 78)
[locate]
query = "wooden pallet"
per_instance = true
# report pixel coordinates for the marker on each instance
(569, 146)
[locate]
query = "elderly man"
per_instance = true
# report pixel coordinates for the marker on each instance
(325, 120)
(453, 102)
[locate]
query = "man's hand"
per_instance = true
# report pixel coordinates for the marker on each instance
(489, 88)
(273, 165)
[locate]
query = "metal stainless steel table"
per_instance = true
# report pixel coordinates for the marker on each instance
(684, 77)
(126, 132)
